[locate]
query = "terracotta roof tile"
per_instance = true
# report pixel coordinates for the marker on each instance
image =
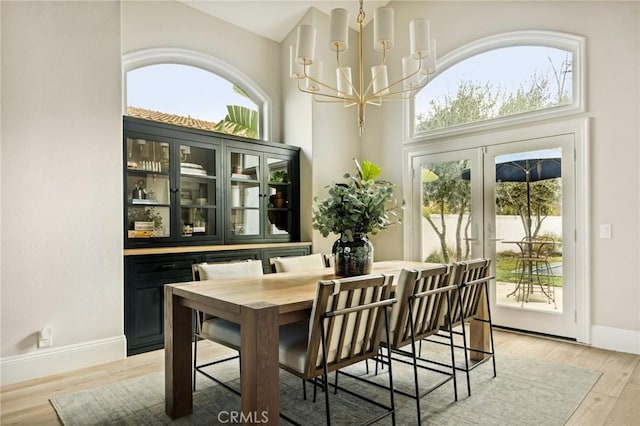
(178, 120)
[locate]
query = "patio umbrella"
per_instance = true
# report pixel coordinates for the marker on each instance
(526, 167)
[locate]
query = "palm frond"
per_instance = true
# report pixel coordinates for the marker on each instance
(240, 121)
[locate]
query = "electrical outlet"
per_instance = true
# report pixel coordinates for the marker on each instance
(45, 336)
(605, 230)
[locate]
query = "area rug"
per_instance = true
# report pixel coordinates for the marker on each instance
(525, 391)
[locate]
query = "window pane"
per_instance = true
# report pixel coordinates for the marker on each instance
(192, 97)
(497, 83)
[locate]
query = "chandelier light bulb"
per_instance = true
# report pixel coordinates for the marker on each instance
(339, 30)
(383, 29)
(343, 80)
(306, 46)
(419, 38)
(380, 80)
(314, 71)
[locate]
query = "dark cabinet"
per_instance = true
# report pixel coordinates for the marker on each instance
(191, 187)
(192, 195)
(146, 275)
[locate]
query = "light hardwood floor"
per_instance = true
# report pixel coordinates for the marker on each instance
(614, 400)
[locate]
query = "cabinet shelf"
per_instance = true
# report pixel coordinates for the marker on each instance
(140, 172)
(197, 177)
(199, 206)
(143, 204)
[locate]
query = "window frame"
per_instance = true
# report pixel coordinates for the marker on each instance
(159, 56)
(564, 41)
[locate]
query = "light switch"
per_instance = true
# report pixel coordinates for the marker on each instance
(605, 230)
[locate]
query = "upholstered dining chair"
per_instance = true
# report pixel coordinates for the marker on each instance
(298, 263)
(216, 329)
(470, 301)
(345, 327)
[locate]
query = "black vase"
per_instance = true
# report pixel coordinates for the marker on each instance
(353, 257)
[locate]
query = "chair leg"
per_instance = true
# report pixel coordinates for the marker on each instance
(493, 350)
(195, 359)
(466, 356)
(304, 389)
(415, 377)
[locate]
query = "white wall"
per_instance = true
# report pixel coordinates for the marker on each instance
(613, 102)
(61, 208)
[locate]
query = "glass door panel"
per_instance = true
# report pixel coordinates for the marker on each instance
(148, 189)
(245, 196)
(449, 224)
(528, 221)
(198, 191)
(279, 213)
(245, 208)
(529, 218)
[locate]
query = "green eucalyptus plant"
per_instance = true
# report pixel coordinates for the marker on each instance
(361, 205)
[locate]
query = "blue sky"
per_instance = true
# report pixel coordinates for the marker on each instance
(182, 90)
(507, 68)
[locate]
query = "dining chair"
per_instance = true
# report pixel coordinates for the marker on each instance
(345, 327)
(298, 263)
(423, 301)
(469, 301)
(216, 329)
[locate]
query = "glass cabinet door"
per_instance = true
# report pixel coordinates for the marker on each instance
(244, 194)
(279, 207)
(198, 191)
(148, 190)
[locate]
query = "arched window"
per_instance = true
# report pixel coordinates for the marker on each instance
(189, 89)
(502, 79)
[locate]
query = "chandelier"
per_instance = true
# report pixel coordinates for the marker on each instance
(416, 68)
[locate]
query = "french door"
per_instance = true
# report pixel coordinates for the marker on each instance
(508, 202)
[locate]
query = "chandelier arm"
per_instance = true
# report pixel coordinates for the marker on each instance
(389, 97)
(403, 79)
(326, 86)
(337, 98)
(347, 103)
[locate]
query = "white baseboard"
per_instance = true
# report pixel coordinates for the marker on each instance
(615, 339)
(45, 362)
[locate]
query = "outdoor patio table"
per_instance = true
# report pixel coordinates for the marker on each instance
(528, 274)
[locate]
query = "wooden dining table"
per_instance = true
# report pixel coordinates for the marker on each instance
(260, 305)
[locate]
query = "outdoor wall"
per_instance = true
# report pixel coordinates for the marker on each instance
(509, 228)
(61, 186)
(612, 104)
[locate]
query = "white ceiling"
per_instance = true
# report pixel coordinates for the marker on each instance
(275, 19)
